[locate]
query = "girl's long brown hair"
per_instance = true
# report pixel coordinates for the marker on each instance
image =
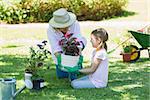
(102, 34)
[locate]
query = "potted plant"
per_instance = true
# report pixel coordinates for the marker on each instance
(34, 64)
(127, 50)
(71, 53)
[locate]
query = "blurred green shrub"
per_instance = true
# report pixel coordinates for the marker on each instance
(41, 10)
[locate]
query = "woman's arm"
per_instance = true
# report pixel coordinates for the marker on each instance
(55, 47)
(93, 67)
(78, 35)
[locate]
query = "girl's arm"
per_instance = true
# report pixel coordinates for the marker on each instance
(93, 67)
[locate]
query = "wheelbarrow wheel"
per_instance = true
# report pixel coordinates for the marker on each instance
(135, 53)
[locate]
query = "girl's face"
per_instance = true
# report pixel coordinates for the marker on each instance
(95, 41)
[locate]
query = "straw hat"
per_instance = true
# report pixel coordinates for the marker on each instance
(62, 19)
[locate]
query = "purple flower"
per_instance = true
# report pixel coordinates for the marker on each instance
(49, 52)
(40, 46)
(44, 42)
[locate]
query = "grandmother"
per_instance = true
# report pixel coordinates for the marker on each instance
(62, 23)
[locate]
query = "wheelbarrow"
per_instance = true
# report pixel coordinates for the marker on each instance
(144, 40)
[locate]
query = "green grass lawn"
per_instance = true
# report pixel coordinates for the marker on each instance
(127, 81)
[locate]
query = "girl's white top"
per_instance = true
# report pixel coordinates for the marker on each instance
(55, 36)
(100, 77)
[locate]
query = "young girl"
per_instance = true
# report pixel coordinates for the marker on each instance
(98, 72)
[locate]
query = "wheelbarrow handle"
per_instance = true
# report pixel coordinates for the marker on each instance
(109, 52)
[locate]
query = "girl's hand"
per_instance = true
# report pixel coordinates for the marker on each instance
(93, 67)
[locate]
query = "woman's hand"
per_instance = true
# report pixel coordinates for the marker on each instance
(57, 54)
(80, 50)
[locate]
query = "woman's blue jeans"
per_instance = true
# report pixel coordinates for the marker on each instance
(63, 74)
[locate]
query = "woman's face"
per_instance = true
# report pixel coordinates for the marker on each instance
(63, 30)
(95, 41)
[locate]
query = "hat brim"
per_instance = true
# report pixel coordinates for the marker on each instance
(64, 25)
